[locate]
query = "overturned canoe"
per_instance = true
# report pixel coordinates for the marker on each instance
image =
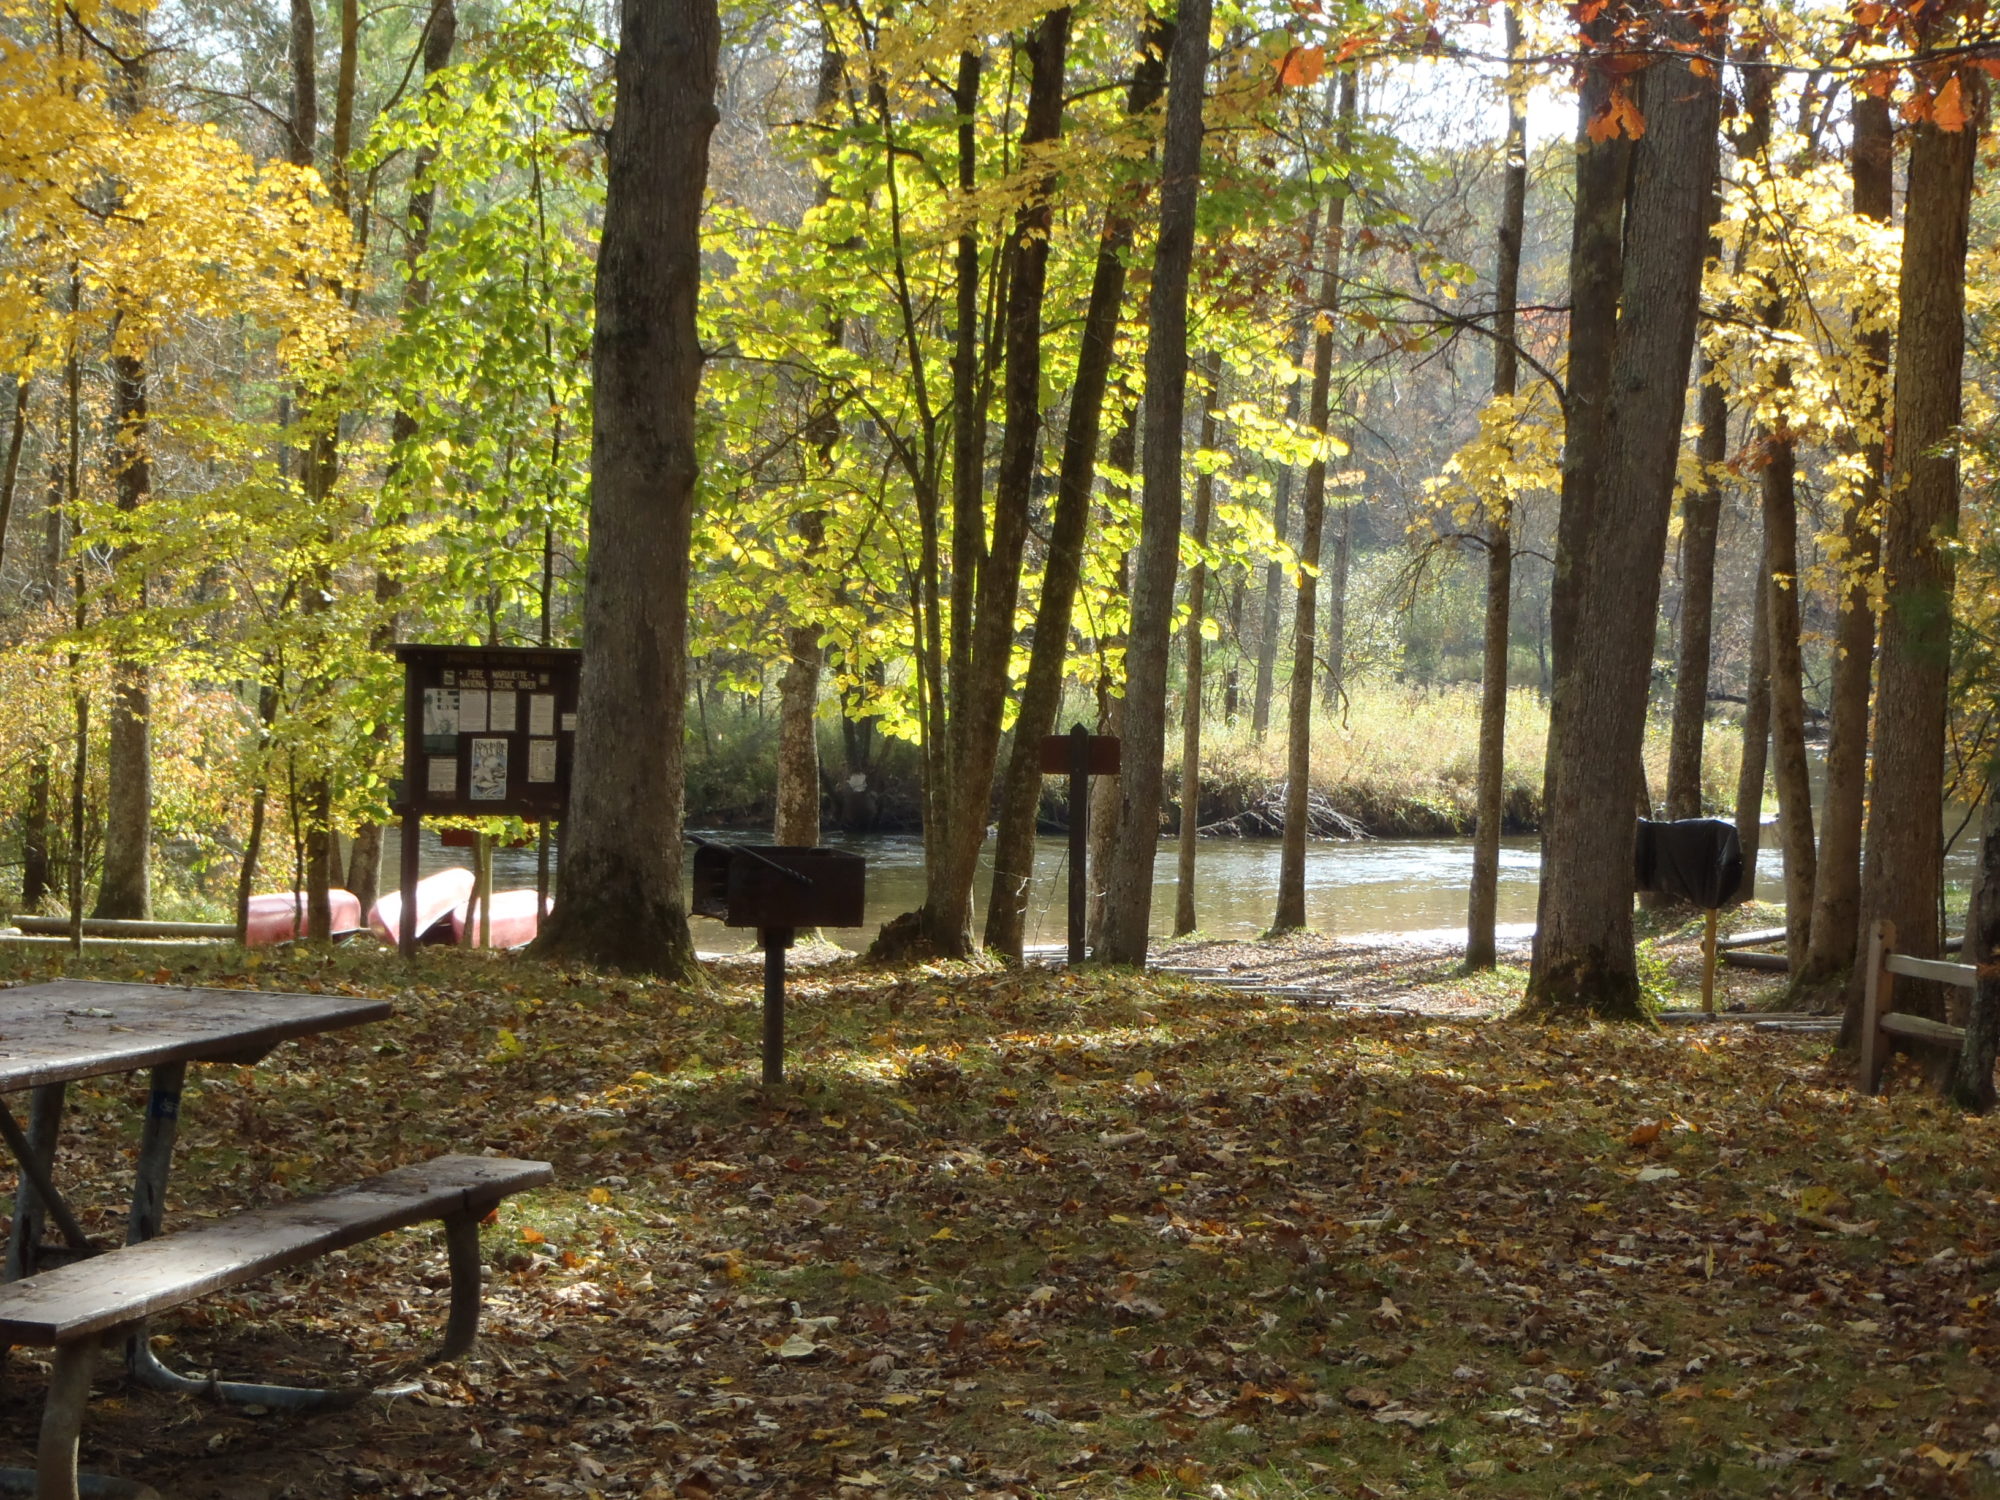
(436, 896)
(280, 916)
(517, 917)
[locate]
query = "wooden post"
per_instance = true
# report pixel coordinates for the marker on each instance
(1878, 998)
(413, 821)
(1079, 840)
(776, 941)
(1708, 965)
(482, 889)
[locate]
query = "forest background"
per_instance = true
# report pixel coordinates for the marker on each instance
(297, 320)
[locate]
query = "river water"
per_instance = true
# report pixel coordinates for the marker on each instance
(1365, 886)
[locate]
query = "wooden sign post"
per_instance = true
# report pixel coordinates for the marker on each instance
(1083, 755)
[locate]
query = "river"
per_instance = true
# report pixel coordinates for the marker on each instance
(1365, 886)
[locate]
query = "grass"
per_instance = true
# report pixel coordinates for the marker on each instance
(1040, 1234)
(1404, 761)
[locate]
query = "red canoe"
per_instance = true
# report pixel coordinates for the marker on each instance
(281, 916)
(515, 920)
(436, 896)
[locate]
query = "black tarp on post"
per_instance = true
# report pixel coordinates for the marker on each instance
(1699, 860)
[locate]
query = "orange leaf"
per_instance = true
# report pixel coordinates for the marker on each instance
(1301, 67)
(1948, 109)
(1645, 1135)
(1621, 117)
(534, 1236)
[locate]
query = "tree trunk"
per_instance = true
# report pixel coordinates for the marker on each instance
(1482, 904)
(1128, 904)
(978, 701)
(1041, 689)
(1836, 918)
(1281, 521)
(124, 886)
(1104, 800)
(1584, 963)
(1972, 1078)
(1788, 701)
(1290, 915)
(1750, 774)
(125, 883)
(1906, 791)
(35, 836)
(1334, 683)
(1190, 829)
(618, 897)
(1701, 518)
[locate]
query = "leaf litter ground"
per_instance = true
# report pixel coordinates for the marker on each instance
(1031, 1233)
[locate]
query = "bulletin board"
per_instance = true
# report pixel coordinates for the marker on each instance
(488, 731)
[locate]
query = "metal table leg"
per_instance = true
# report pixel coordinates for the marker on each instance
(44, 1123)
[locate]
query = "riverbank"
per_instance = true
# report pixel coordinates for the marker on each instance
(1394, 762)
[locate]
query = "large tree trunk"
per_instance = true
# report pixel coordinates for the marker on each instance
(618, 896)
(1906, 789)
(1701, 519)
(1836, 914)
(1584, 963)
(125, 884)
(1128, 905)
(977, 702)
(1482, 902)
(1290, 913)
(1190, 829)
(1041, 690)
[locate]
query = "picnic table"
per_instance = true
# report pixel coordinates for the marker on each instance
(58, 1033)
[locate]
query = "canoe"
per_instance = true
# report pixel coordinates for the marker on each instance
(280, 916)
(515, 920)
(436, 896)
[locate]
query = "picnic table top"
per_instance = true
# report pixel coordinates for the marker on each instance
(74, 1028)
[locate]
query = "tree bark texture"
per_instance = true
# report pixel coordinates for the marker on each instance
(1190, 829)
(1290, 913)
(618, 895)
(1788, 698)
(1104, 800)
(124, 886)
(1128, 903)
(1583, 959)
(1482, 901)
(1905, 832)
(1756, 758)
(1836, 919)
(1972, 1076)
(1701, 522)
(1041, 690)
(977, 704)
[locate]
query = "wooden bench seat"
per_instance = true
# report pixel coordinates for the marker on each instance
(77, 1307)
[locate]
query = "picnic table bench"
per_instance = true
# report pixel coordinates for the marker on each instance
(77, 1308)
(54, 1034)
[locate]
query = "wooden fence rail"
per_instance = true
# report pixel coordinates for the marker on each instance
(1880, 1020)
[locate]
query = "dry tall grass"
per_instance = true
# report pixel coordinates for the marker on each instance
(1405, 761)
